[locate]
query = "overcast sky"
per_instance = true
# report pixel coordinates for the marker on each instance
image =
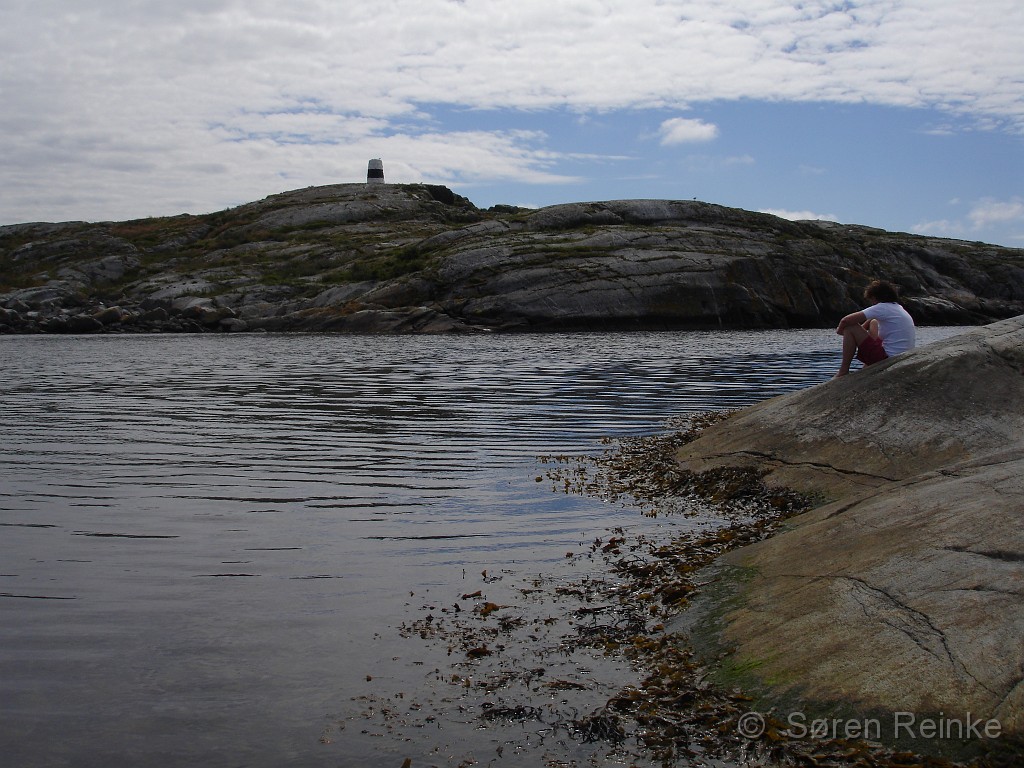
(905, 115)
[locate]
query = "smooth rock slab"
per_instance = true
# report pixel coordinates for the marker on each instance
(906, 592)
(945, 402)
(910, 599)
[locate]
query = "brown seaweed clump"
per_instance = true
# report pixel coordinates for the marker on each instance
(516, 660)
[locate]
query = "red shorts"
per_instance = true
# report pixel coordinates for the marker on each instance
(871, 351)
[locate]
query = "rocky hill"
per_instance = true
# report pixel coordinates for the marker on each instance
(419, 258)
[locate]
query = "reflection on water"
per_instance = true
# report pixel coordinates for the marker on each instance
(206, 542)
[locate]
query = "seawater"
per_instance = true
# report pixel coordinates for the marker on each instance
(207, 543)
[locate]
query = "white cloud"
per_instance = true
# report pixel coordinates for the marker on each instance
(811, 170)
(739, 160)
(459, 158)
(680, 130)
(383, 58)
(121, 103)
(939, 228)
(800, 215)
(987, 212)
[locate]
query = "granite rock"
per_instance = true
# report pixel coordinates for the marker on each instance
(903, 590)
(384, 251)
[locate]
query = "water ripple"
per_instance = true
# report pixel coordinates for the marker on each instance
(345, 473)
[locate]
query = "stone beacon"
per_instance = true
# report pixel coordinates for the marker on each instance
(375, 172)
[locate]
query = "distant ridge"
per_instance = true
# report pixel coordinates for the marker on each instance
(418, 258)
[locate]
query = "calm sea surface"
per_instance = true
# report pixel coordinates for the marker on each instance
(208, 543)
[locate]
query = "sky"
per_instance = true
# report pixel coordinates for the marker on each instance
(906, 115)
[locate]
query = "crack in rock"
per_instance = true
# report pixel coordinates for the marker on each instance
(1009, 692)
(767, 457)
(1005, 556)
(883, 606)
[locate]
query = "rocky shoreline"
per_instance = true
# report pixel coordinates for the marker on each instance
(864, 606)
(665, 606)
(420, 259)
(898, 595)
(871, 617)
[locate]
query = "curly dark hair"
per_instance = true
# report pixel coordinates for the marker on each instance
(881, 291)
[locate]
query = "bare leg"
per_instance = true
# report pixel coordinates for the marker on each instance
(853, 336)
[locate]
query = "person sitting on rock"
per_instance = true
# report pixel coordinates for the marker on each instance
(882, 330)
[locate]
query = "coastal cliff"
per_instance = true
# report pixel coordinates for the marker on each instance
(419, 258)
(903, 589)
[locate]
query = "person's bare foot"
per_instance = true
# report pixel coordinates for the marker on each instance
(841, 373)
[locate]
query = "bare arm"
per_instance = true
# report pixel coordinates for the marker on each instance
(854, 318)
